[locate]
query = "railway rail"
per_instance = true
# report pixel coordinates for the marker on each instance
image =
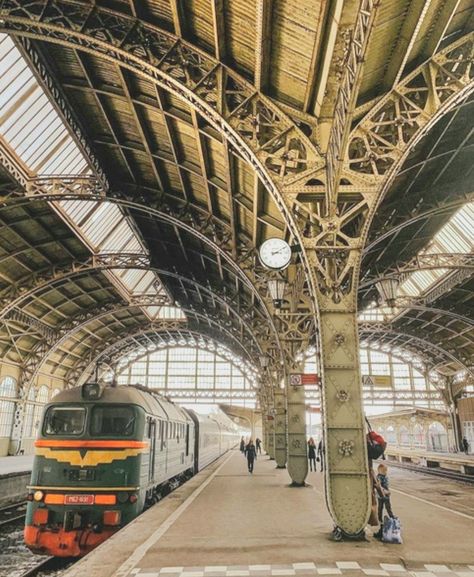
(12, 513)
(436, 472)
(47, 565)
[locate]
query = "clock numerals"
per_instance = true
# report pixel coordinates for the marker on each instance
(275, 254)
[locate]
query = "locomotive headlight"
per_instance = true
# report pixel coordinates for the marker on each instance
(122, 497)
(38, 495)
(91, 391)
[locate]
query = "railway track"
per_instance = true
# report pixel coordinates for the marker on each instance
(437, 472)
(47, 565)
(12, 513)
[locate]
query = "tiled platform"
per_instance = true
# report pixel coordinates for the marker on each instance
(20, 464)
(311, 569)
(228, 523)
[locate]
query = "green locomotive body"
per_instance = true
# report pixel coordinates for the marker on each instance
(101, 456)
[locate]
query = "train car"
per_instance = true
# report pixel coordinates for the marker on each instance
(102, 455)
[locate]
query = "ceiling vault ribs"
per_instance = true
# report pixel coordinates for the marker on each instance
(197, 77)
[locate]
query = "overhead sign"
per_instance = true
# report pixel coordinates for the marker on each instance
(301, 379)
(377, 380)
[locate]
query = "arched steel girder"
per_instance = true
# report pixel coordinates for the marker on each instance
(425, 344)
(450, 261)
(81, 188)
(285, 161)
(426, 214)
(225, 99)
(120, 340)
(107, 262)
(115, 357)
(464, 318)
(45, 348)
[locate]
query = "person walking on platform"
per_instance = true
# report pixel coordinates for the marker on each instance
(242, 446)
(465, 445)
(312, 454)
(258, 445)
(320, 456)
(383, 497)
(251, 454)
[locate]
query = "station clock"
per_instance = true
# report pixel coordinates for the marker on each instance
(275, 254)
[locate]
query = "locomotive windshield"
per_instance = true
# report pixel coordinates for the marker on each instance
(65, 421)
(112, 420)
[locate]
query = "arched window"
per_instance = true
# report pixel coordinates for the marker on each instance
(418, 436)
(29, 411)
(41, 397)
(7, 408)
(390, 436)
(404, 436)
(437, 437)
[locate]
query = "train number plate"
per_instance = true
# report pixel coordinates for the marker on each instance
(79, 500)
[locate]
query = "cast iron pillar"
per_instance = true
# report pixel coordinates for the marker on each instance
(297, 454)
(280, 428)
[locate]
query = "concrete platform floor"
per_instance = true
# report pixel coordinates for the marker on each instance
(228, 522)
(20, 464)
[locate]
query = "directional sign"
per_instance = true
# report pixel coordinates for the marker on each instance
(301, 379)
(382, 381)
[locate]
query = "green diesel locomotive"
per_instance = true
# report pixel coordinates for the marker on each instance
(103, 454)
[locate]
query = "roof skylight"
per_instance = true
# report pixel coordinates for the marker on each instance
(32, 128)
(456, 236)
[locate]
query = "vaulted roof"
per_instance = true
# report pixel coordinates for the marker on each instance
(206, 210)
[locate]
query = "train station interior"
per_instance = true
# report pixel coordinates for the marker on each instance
(236, 288)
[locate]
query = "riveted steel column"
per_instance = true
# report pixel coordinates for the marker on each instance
(280, 428)
(297, 456)
(18, 427)
(346, 467)
(270, 446)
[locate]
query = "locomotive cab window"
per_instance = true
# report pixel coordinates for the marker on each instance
(64, 421)
(112, 420)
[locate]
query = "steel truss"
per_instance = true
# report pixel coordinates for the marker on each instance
(333, 235)
(449, 261)
(368, 328)
(205, 229)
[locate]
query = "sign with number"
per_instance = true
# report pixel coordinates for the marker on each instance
(377, 380)
(301, 379)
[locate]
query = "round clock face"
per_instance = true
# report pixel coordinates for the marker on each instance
(275, 253)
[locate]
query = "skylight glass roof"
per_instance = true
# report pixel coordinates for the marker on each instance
(456, 236)
(31, 127)
(29, 122)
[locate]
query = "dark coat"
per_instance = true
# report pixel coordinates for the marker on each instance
(311, 451)
(250, 452)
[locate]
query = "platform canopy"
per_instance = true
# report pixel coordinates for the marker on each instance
(148, 148)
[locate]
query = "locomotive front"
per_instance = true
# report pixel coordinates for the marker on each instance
(85, 482)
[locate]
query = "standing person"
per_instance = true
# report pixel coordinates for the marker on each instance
(383, 497)
(465, 445)
(258, 444)
(242, 445)
(321, 452)
(251, 454)
(312, 454)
